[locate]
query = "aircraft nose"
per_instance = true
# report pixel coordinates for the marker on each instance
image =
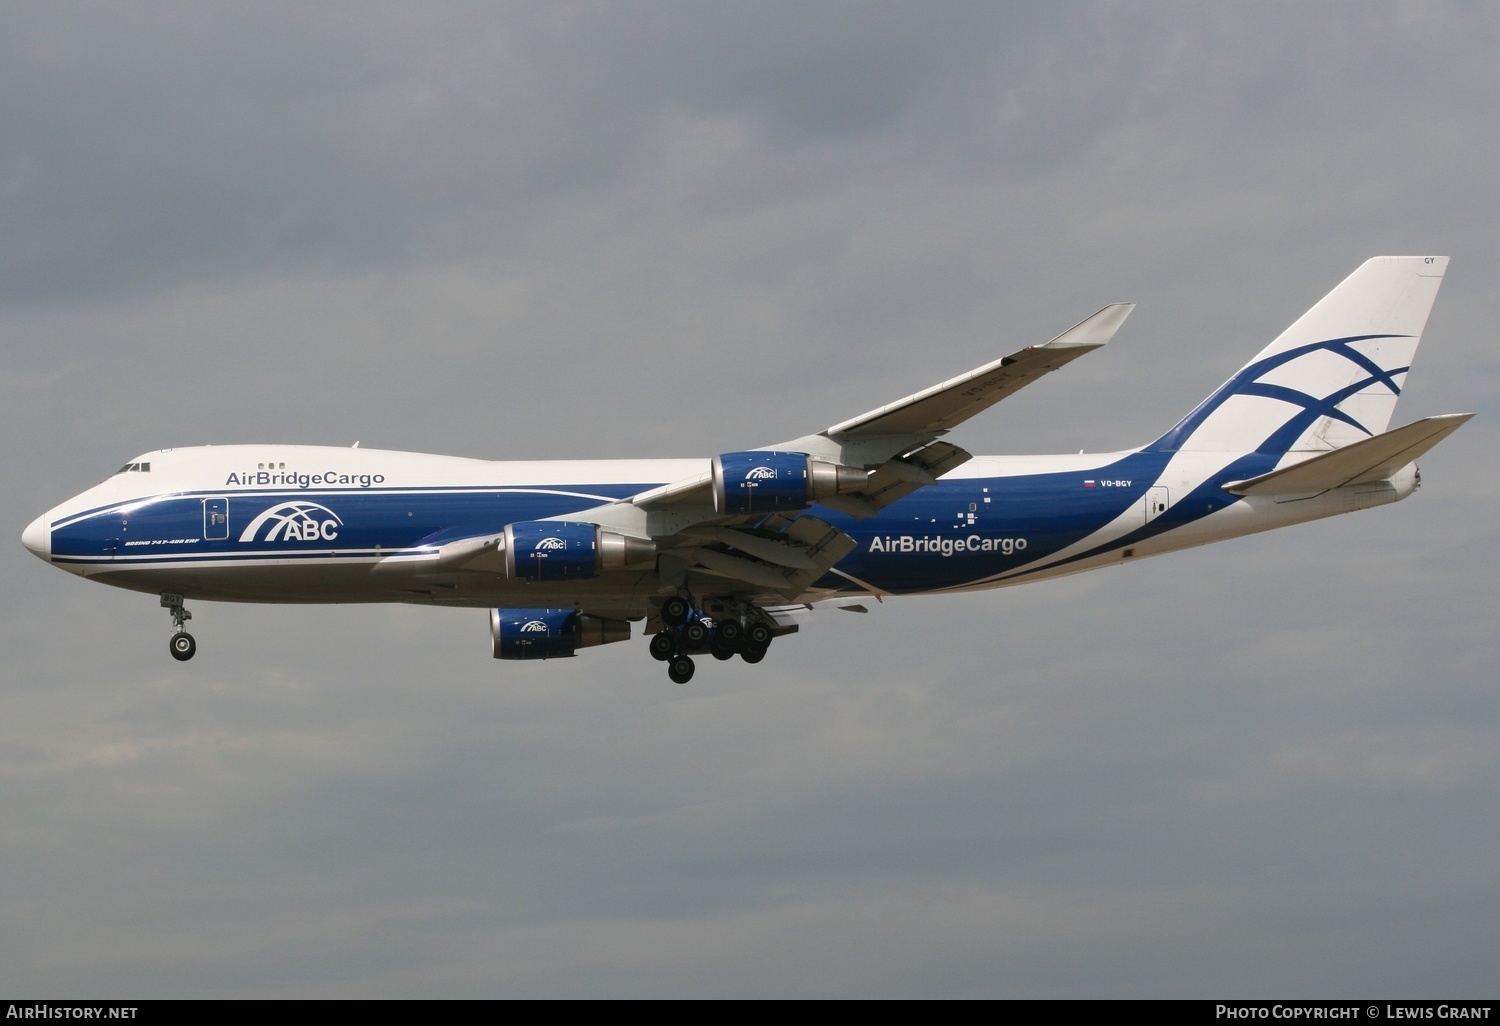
(38, 538)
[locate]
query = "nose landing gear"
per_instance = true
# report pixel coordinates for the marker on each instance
(181, 645)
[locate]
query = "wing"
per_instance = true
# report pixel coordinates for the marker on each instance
(695, 539)
(933, 411)
(894, 443)
(879, 457)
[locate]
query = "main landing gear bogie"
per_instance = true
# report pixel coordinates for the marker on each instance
(181, 644)
(686, 634)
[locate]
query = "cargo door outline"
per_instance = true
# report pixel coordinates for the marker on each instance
(216, 519)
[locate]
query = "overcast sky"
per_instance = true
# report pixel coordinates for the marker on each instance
(658, 229)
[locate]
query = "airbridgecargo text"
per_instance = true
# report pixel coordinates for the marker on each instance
(264, 478)
(945, 546)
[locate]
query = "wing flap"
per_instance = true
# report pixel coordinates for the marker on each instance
(899, 477)
(1371, 459)
(824, 544)
(769, 550)
(740, 569)
(786, 557)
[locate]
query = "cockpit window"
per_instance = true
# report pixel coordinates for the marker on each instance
(134, 467)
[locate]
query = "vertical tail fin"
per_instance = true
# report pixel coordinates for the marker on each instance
(1330, 379)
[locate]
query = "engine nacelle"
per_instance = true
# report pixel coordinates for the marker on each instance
(550, 633)
(560, 550)
(769, 482)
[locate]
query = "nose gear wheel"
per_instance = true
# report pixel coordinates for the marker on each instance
(181, 644)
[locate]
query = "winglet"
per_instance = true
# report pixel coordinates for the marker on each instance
(1094, 330)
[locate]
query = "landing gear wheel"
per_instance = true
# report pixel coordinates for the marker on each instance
(753, 654)
(731, 632)
(695, 633)
(183, 646)
(674, 611)
(680, 669)
(721, 651)
(663, 645)
(759, 635)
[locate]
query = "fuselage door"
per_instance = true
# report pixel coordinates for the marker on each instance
(215, 519)
(1156, 502)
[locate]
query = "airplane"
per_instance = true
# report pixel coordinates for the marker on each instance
(724, 555)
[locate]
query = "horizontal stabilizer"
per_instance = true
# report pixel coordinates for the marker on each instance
(1373, 459)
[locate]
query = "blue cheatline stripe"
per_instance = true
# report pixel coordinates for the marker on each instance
(1245, 383)
(240, 556)
(625, 491)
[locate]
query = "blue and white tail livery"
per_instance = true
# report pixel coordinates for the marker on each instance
(723, 555)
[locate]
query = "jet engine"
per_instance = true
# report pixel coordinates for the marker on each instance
(550, 633)
(560, 550)
(769, 482)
